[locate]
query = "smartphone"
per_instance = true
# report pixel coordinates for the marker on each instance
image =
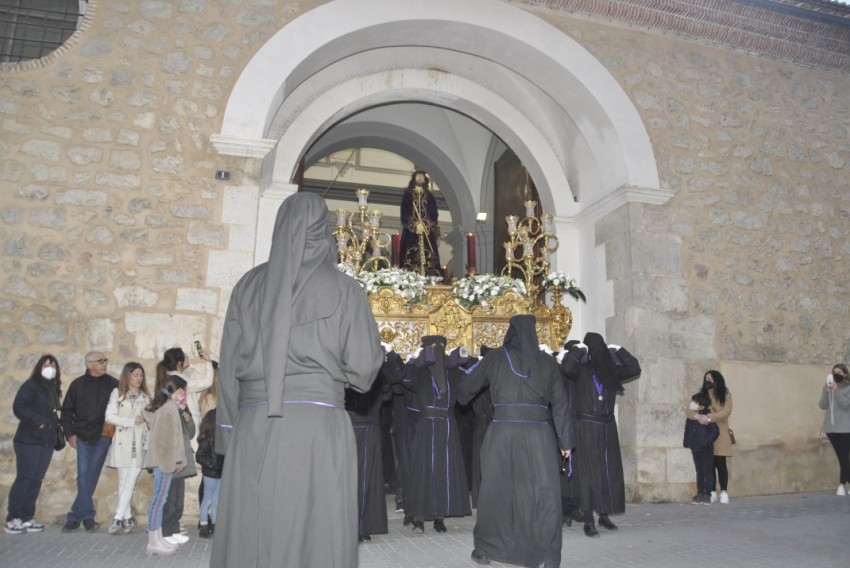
(829, 380)
(200, 348)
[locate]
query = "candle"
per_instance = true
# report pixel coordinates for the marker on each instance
(445, 275)
(396, 249)
(471, 265)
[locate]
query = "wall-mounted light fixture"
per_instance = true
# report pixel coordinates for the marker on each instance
(222, 175)
(481, 217)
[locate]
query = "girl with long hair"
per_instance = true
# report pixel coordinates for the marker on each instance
(835, 400)
(127, 452)
(714, 385)
(36, 405)
(165, 456)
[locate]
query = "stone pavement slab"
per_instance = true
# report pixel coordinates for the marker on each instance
(810, 530)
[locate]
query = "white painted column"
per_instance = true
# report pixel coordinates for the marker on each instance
(270, 202)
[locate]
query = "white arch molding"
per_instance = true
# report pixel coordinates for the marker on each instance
(553, 104)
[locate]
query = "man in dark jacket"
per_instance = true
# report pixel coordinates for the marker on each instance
(83, 415)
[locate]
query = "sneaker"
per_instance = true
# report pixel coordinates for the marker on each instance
(697, 499)
(184, 530)
(205, 531)
(71, 526)
(706, 500)
(841, 490)
(15, 526)
(117, 527)
(724, 497)
(714, 497)
(130, 525)
(91, 525)
(176, 538)
(33, 526)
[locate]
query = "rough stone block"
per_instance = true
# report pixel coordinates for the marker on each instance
(207, 235)
(680, 465)
(17, 286)
(82, 197)
(156, 332)
(224, 268)
(153, 256)
(135, 297)
(54, 333)
(47, 217)
(100, 335)
(197, 300)
(125, 159)
(42, 149)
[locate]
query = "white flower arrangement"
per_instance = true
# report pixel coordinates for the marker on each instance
(408, 285)
(563, 282)
(481, 289)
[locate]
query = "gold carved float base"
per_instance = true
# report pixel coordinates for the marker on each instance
(439, 314)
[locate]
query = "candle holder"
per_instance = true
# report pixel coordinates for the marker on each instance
(359, 240)
(532, 240)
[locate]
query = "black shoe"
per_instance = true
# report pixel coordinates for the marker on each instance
(418, 527)
(606, 522)
(364, 538)
(205, 531)
(479, 558)
(71, 526)
(590, 530)
(91, 525)
(407, 520)
(439, 525)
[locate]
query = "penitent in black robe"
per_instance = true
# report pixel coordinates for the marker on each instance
(519, 513)
(597, 459)
(435, 482)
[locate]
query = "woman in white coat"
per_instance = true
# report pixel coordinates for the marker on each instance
(127, 452)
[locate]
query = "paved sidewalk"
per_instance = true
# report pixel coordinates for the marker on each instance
(810, 530)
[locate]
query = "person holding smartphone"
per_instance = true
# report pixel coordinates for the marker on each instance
(835, 400)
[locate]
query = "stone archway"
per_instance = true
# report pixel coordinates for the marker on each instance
(528, 83)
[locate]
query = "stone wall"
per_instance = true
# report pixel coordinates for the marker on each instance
(116, 236)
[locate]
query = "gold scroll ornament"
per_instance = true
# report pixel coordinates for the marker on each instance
(404, 325)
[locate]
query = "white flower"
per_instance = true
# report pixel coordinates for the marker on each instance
(481, 289)
(408, 285)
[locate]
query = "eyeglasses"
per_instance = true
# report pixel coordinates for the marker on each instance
(101, 361)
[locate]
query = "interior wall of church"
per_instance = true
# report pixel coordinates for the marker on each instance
(116, 236)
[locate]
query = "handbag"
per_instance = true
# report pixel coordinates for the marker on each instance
(732, 436)
(60, 438)
(108, 430)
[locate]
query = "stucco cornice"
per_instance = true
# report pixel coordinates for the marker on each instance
(815, 33)
(242, 147)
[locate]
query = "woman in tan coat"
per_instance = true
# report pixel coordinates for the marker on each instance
(165, 454)
(714, 385)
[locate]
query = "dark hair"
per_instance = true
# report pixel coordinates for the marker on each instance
(172, 384)
(720, 389)
(169, 363)
(412, 182)
(36, 373)
(702, 399)
(207, 429)
(124, 380)
(841, 366)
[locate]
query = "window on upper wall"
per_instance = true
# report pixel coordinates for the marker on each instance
(31, 29)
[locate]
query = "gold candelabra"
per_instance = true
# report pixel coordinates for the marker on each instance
(361, 247)
(532, 240)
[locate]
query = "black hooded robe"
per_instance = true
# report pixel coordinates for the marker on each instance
(519, 512)
(599, 464)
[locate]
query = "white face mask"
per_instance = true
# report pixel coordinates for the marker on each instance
(49, 373)
(693, 406)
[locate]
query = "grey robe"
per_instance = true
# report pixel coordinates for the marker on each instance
(289, 494)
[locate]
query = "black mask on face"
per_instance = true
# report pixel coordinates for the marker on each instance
(707, 385)
(838, 378)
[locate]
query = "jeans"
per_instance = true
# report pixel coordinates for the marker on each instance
(161, 485)
(210, 502)
(127, 477)
(841, 444)
(90, 458)
(32, 462)
(704, 466)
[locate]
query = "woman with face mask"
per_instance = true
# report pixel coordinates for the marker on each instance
(714, 385)
(835, 400)
(36, 406)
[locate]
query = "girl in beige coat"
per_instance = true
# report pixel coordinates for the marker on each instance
(714, 385)
(165, 455)
(127, 452)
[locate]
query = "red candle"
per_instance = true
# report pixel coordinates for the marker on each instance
(471, 265)
(396, 249)
(445, 272)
